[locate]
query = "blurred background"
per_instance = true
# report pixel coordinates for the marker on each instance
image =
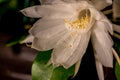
(16, 59)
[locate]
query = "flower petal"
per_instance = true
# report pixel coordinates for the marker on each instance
(70, 50)
(43, 44)
(77, 66)
(46, 28)
(102, 44)
(49, 11)
(80, 50)
(51, 1)
(64, 49)
(47, 34)
(108, 25)
(59, 1)
(116, 8)
(28, 39)
(101, 4)
(71, 1)
(99, 68)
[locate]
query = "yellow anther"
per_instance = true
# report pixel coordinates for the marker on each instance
(79, 23)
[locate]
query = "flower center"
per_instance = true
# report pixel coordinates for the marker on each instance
(81, 22)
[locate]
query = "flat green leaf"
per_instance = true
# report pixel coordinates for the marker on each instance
(40, 71)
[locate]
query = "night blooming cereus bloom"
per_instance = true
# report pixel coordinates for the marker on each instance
(67, 29)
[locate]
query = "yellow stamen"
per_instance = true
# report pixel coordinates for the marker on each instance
(79, 23)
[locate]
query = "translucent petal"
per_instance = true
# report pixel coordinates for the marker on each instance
(101, 4)
(70, 1)
(43, 44)
(64, 49)
(102, 44)
(46, 28)
(47, 33)
(28, 39)
(70, 50)
(108, 25)
(49, 11)
(116, 8)
(77, 66)
(99, 68)
(59, 1)
(79, 52)
(51, 1)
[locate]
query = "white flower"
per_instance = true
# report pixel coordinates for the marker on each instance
(68, 28)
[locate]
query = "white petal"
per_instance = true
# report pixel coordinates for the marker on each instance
(99, 68)
(79, 52)
(116, 8)
(64, 48)
(108, 25)
(46, 28)
(49, 11)
(77, 66)
(46, 43)
(101, 17)
(28, 39)
(67, 54)
(60, 1)
(102, 44)
(51, 1)
(70, 1)
(101, 4)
